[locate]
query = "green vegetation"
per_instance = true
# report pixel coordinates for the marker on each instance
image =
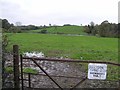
(25, 70)
(105, 29)
(113, 72)
(52, 45)
(62, 30)
(9, 69)
(67, 41)
(30, 70)
(88, 47)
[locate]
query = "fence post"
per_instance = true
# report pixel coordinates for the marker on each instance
(29, 79)
(16, 66)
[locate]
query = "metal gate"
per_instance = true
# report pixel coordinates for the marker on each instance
(34, 60)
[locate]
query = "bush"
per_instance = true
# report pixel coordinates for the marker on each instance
(43, 31)
(67, 25)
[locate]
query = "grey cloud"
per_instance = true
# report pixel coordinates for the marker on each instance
(10, 10)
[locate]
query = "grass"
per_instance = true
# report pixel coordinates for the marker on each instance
(25, 70)
(88, 47)
(9, 69)
(63, 30)
(30, 70)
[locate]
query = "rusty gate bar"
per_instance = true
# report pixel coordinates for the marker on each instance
(47, 74)
(56, 76)
(16, 67)
(60, 60)
(21, 59)
(72, 60)
(79, 83)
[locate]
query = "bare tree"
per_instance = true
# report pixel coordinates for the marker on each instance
(18, 23)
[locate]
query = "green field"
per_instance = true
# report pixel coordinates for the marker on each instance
(89, 47)
(62, 30)
(52, 45)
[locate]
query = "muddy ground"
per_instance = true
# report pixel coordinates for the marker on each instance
(60, 69)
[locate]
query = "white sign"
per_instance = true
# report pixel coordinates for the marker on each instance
(97, 71)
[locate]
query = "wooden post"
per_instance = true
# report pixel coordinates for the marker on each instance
(21, 72)
(29, 79)
(16, 66)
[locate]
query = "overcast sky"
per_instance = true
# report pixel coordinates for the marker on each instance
(45, 12)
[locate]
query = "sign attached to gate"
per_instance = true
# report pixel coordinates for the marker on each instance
(97, 71)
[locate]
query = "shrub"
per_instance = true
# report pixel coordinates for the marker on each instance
(43, 31)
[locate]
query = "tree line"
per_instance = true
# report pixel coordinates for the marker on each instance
(7, 27)
(105, 29)
(11, 28)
